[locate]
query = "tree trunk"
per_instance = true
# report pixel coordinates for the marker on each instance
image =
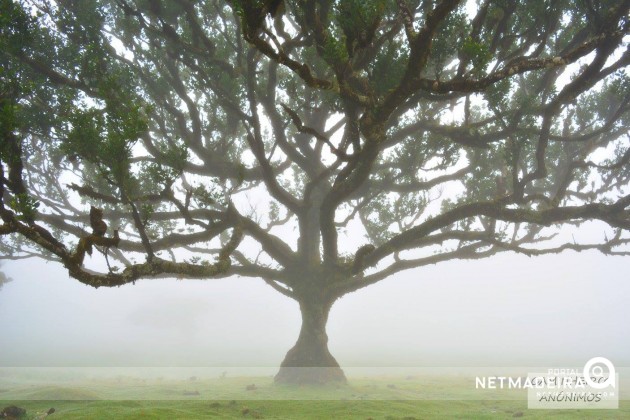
(309, 361)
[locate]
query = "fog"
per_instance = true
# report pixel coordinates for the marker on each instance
(509, 310)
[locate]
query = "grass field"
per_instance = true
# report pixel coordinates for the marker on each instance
(424, 397)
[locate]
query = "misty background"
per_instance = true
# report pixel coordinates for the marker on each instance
(509, 310)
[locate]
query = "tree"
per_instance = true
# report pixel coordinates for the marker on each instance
(206, 139)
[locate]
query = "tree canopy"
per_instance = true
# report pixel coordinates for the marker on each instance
(319, 145)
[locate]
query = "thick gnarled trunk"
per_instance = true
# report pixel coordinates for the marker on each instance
(310, 361)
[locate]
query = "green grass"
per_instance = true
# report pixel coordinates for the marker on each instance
(292, 409)
(377, 398)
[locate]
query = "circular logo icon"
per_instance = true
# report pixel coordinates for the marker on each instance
(594, 369)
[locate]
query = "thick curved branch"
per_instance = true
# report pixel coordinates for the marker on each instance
(155, 267)
(472, 251)
(612, 214)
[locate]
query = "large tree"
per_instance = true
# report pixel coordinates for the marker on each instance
(207, 139)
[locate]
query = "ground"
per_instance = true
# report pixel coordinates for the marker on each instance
(257, 397)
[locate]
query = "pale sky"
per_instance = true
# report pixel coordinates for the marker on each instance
(504, 311)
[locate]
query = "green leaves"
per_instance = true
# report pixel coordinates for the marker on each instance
(208, 195)
(388, 67)
(104, 132)
(356, 16)
(25, 206)
(106, 136)
(359, 21)
(478, 53)
(15, 27)
(335, 50)
(85, 136)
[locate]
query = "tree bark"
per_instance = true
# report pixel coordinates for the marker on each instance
(310, 361)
